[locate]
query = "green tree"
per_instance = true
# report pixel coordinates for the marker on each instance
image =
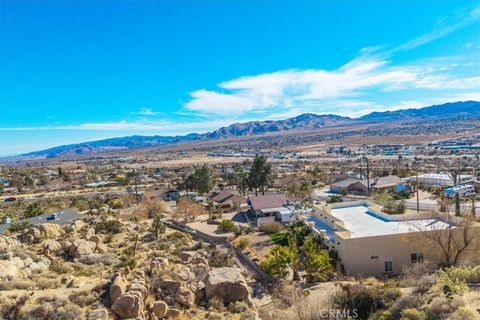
(201, 179)
(33, 210)
(260, 174)
(157, 226)
(241, 178)
(457, 205)
(315, 261)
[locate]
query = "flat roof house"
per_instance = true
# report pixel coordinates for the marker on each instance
(360, 187)
(372, 243)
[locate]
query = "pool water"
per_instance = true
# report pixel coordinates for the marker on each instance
(320, 225)
(379, 217)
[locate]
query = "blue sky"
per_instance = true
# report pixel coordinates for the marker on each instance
(73, 71)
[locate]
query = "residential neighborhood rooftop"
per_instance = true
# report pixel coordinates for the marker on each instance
(362, 222)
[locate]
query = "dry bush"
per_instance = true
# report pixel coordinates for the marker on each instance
(271, 227)
(411, 275)
(313, 306)
(83, 298)
(216, 303)
(441, 308)
(187, 210)
(151, 205)
(242, 243)
(48, 283)
(11, 307)
(16, 285)
(404, 302)
(50, 307)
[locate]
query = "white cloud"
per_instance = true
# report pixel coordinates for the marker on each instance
(146, 112)
(289, 89)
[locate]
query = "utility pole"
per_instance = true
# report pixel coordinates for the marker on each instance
(418, 199)
(136, 189)
(368, 176)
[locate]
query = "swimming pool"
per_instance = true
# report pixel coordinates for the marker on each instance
(320, 225)
(379, 217)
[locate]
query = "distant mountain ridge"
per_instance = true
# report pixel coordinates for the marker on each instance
(307, 121)
(467, 108)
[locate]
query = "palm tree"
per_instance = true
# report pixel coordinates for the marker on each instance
(316, 261)
(293, 257)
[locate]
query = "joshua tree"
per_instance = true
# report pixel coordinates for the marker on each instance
(457, 205)
(158, 226)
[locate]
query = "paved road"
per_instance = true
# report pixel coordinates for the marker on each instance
(64, 216)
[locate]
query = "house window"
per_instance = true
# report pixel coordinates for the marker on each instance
(416, 257)
(388, 266)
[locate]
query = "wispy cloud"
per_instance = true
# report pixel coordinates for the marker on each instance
(146, 112)
(441, 31)
(289, 89)
(161, 127)
(369, 73)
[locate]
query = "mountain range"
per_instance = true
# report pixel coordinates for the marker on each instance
(303, 122)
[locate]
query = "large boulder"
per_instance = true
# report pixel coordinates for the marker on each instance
(227, 284)
(169, 286)
(50, 230)
(8, 244)
(101, 248)
(185, 297)
(117, 288)
(160, 309)
(81, 248)
(8, 271)
(51, 246)
(128, 305)
(200, 271)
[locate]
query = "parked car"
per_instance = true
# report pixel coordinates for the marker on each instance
(10, 199)
(53, 216)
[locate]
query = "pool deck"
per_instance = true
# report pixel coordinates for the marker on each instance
(361, 224)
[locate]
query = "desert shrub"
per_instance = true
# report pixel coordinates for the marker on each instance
(392, 207)
(364, 299)
(271, 227)
(404, 302)
(412, 314)
(411, 274)
(216, 303)
(442, 308)
(463, 313)
(238, 307)
(16, 285)
(19, 226)
(49, 312)
(464, 273)
(11, 307)
(177, 236)
(109, 226)
(60, 267)
(312, 306)
(48, 283)
(242, 243)
(381, 315)
(226, 226)
(127, 261)
(449, 285)
(83, 298)
(334, 199)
